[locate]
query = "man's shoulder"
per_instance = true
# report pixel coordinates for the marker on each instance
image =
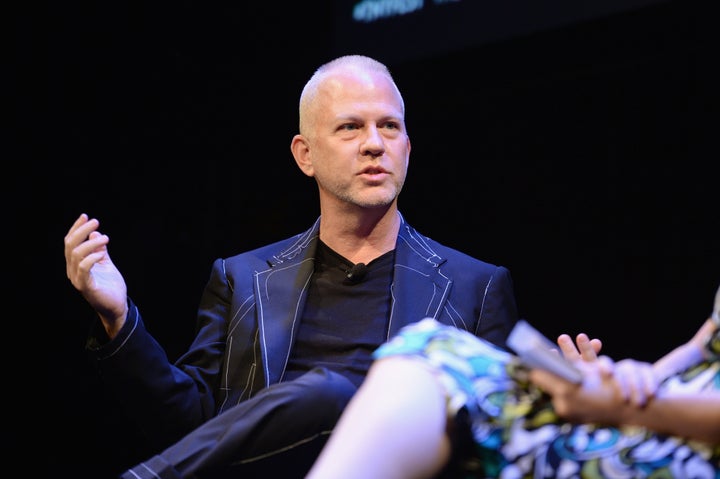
(457, 255)
(442, 250)
(276, 251)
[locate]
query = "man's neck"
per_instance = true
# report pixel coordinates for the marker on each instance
(361, 238)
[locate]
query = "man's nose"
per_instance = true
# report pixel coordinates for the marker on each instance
(373, 144)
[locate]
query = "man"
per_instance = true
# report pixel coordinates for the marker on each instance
(286, 332)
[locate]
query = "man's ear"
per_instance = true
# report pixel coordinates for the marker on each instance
(301, 152)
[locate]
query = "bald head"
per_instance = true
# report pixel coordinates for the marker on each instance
(356, 65)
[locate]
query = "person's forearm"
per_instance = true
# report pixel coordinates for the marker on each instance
(692, 416)
(113, 325)
(599, 400)
(678, 359)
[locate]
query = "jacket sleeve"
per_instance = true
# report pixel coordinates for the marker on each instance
(499, 310)
(166, 400)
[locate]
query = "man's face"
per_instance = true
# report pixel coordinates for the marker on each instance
(358, 144)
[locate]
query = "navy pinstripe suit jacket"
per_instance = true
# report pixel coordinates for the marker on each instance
(249, 314)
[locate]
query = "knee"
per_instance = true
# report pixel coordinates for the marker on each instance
(327, 386)
(324, 391)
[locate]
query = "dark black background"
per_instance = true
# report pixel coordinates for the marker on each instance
(578, 154)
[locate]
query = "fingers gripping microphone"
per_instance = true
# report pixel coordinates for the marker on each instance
(357, 272)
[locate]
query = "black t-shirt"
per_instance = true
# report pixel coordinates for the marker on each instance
(344, 320)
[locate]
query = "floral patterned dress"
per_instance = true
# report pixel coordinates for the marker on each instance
(516, 431)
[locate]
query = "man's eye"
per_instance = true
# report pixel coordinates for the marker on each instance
(349, 126)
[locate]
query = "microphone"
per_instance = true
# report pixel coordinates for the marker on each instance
(356, 273)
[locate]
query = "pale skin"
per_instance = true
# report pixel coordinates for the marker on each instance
(395, 426)
(352, 141)
(92, 272)
(627, 394)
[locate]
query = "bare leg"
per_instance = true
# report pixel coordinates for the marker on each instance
(393, 428)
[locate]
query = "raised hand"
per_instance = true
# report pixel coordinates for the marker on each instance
(92, 272)
(583, 348)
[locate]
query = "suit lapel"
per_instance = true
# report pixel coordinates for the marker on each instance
(281, 292)
(419, 288)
